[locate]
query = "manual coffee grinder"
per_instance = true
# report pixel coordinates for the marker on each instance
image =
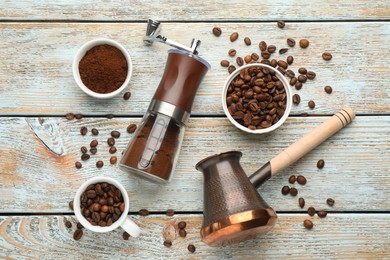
(154, 148)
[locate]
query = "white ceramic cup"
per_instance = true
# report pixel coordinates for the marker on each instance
(288, 99)
(80, 54)
(124, 221)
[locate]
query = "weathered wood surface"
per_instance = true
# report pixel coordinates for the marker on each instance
(202, 10)
(338, 236)
(37, 157)
(36, 75)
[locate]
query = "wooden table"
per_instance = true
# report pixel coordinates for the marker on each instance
(38, 146)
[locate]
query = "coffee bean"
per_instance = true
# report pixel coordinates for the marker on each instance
(248, 59)
(301, 180)
(182, 233)
(112, 150)
(298, 85)
(232, 52)
(170, 212)
(182, 224)
(328, 89)
(301, 202)
(217, 31)
(304, 43)
(265, 54)
(293, 81)
(283, 50)
(283, 64)
(93, 143)
(311, 211)
(79, 225)
(274, 62)
(322, 213)
(109, 116)
(83, 149)
(127, 95)
(115, 134)
(77, 234)
(292, 179)
(78, 165)
(290, 74)
(263, 46)
(111, 141)
(311, 104)
(293, 192)
(69, 116)
(113, 159)
(93, 150)
(302, 78)
(330, 202)
(296, 99)
(234, 36)
(308, 224)
(247, 41)
(255, 56)
(302, 71)
(290, 60)
(78, 116)
(271, 48)
(239, 61)
(231, 69)
(310, 75)
(68, 224)
(99, 164)
(320, 164)
(71, 204)
(285, 190)
(83, 130)
(85, 156)
(167, 243)
(143, 212)
(327, 56)
(281, 24)
(126, 235)
(281, 70)
(290, 42)
(225, 63)
(191, 248)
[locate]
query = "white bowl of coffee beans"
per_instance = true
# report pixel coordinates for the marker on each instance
(256, 98)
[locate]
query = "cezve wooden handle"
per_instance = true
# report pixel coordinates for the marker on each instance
(311, 140)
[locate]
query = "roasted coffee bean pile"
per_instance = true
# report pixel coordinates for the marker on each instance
(102, 204)
(256, 98)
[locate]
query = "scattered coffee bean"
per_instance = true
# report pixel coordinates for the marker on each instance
(78, 116)
(94, 143)
(302, 71)
(83, 130)
(109, 116)
(301, 180)
(110, 141)
(234, 36)
(293, 81)
(71, 204)
(290, 42)
(281, 70)
(274, 63)
(292, 179)
(311, 211)
(265, 54)
(85, 156)
(327, 56)
(77, 234)
(99, 164)
(231, 69)
(113, 159)
(78, 165)
(95, 131)
(167, 243)
(330, 202)
(93, 150)
(127, 95)
(115, 134)
(293, 192)
(298, 85)
(304, 43)
(290, 60)
(291, 75)
(112, 150)
(170, 212)
(320, 164)
(302, 78)
(322, 213)
(126, 235)
(296, 99)
(239, 61)
(283, 50)
(255, 56)
(69, 116)
(271, 48)
(311, 104)
(182, 233)
(262, 46)
(311, 75)
(328, 89)
(283, 64)
(281, 24)
(79, 225)
(68, 224)
(143, 212)
(247, 41)
(301, 202)
(248, 59)
(285, 190)
(308, 224)
(83, 149)
(232, 52)
(191, 248)
(182, 224)
(225, 63)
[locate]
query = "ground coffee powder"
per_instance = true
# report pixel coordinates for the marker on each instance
(103, 69)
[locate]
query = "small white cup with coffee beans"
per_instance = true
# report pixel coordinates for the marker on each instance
(101, 205)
